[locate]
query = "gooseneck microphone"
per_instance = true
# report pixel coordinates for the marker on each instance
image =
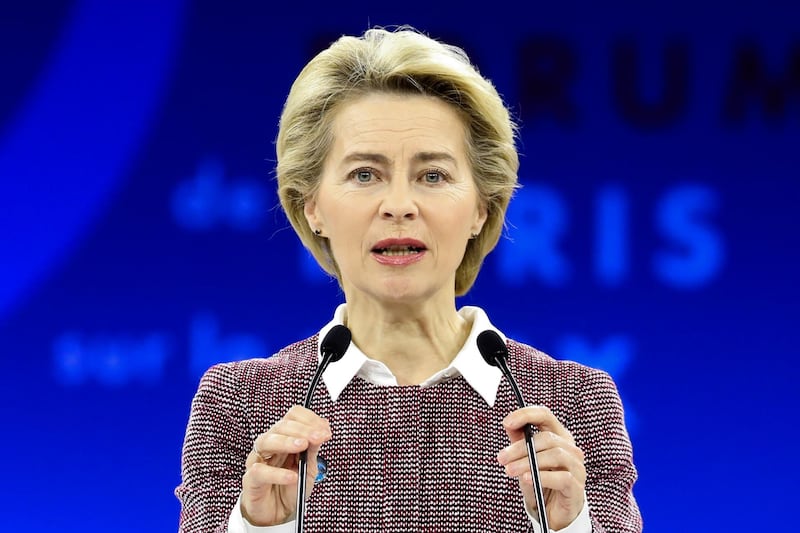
(495, 352)
(332, 347)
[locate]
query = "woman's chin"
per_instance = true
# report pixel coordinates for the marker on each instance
(399, 289)
(407, 292)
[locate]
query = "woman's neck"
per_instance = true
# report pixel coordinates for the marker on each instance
(413, 342)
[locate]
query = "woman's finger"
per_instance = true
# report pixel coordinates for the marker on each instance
(536, 415)
(561, 482)
(261, 475)
(317, 430)
(542, 441)
(552, 460)
(287, 437)
(298, 413)
(274, 449)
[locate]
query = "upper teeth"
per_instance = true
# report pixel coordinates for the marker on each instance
(401, 250)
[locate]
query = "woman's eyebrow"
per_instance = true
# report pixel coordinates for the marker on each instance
(422, 157)
(366, 156)
(425, 157)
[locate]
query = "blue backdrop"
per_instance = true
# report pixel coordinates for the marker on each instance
(655, 235)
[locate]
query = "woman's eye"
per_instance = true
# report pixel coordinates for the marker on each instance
(433, 176)
(363, 176)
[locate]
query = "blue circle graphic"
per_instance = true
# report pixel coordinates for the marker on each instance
(69, 145)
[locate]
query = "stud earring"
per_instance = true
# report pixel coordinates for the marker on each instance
(474, 236)
(317, 232)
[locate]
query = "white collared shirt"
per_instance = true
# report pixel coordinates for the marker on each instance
(468, 363)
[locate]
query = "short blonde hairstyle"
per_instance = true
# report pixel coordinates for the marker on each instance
(400, 61)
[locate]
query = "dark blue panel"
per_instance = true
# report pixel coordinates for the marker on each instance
(655, 235)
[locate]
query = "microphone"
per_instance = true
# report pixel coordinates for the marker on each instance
(332, 347)
(495, 352)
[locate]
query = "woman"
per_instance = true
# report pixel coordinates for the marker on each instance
(396, 162)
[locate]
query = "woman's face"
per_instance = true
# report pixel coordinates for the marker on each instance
(397, 199)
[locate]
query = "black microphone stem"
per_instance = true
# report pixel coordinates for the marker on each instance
(495, 352)
(302, 463)
(332, 347)
(528, 431)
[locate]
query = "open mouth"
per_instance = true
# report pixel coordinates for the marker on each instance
(398, 250)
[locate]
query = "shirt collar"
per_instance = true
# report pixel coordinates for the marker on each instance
(468, 362)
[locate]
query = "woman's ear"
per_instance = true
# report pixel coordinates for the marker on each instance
(480, 219)
(312, 216)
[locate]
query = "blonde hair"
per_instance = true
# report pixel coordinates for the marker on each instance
(395, 61)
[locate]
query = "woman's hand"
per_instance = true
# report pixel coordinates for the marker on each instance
(269, 486)
(560, 463)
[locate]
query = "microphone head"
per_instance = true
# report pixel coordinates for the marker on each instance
(335, 342)
(492, 347)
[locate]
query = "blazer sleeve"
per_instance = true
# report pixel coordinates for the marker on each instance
(215, 449)
(610, 471)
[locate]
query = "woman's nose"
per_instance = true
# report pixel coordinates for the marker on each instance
(399, 203)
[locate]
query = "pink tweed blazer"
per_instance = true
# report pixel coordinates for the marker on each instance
(404, 458)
